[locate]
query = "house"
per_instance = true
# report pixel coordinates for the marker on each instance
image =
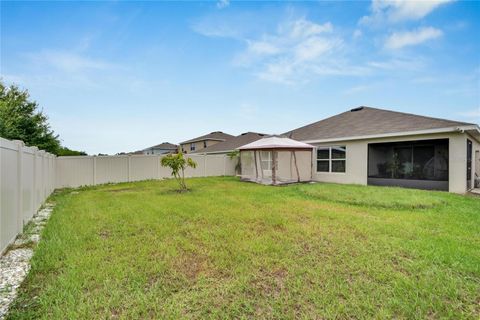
(381, 147)
(202, 142)
(232, 143)
(162, 148)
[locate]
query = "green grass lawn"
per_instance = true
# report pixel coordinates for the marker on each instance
(230, 249)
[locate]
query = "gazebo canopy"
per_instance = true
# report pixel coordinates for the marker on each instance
(276, 160)
(273, 142)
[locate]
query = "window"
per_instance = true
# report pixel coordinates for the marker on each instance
(192, 146)
(331, 159)
(205, 143)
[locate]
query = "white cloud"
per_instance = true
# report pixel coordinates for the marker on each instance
(408, 64)
(223, 4)
(278, 71)
(262, 48)
(393, 11)
(300, 50)
(67, 61)
(399, 40)
(302, 28)
(297, 49)
(314, 47)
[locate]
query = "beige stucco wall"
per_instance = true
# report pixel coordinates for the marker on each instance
(198, 145)
(357, 157)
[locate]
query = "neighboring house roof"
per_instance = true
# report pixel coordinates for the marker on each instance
(134, 152)
(233, 143)
(164, 145)
(216, 135)
(366, 121)
(275, 143)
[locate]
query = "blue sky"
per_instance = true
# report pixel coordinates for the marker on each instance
(121, 76)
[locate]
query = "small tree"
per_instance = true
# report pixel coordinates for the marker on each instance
(178, 163)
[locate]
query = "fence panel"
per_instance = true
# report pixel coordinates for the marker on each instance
(144, 167)
(91, 170)
(28, 184)
(27, 179)
(216, 165)
(110, 169)
(74, 171)
(9, 194)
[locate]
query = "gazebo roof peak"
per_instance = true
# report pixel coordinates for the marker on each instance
(275, 142)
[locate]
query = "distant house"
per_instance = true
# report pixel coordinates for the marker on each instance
(382, 147)
(162, 148)
(232, 143)
(202, 142)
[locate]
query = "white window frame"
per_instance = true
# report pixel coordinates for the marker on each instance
(330, 159)
(192, 146)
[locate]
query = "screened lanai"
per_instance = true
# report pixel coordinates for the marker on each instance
(276, 160)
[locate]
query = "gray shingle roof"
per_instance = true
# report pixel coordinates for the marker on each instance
(216, 135)
(165, 145)
(233, 143)
(364, 121)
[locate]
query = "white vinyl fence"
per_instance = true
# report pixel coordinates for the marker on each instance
(27, 179)
(93, 170)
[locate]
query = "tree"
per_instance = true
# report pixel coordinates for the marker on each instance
(20, 119)
(178, 163)
(64, 151)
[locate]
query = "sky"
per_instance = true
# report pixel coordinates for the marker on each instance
(122, 76)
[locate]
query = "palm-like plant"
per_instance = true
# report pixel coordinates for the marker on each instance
(178, 163)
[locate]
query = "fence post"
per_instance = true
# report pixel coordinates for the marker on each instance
(94, 170)
(20, 145)
(129, 168)
(159, 158)
(204, 164)
(34, 196)
(54, 165)
(42, 179)
(224, 165)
